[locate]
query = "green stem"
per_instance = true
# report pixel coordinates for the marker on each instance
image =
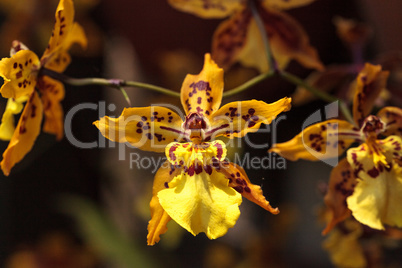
(260, 24)
(320, 94)
(115, 83)
(247, 84)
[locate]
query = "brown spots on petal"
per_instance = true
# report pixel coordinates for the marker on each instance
(237, 182)
(18, 75)
(159, 137)
(373, 173)
(344, 186)
(208, 169)
(23, 129)
(230, 38)
(33, 110)
(219, 150)
(172, 150)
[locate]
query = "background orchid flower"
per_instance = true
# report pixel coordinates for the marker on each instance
(196, 186)
(21, 74)
(369, 181)
(238, 38)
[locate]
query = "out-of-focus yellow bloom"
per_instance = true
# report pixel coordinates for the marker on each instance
(343, 246)
(22, 80)
(370, 180)
(238, 38)
(196, 186)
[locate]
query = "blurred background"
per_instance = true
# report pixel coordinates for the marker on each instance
(64, 206)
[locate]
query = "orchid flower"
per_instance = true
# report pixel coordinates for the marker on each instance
(22, 80)
(238, 38)
(368, 183)
(196, 186)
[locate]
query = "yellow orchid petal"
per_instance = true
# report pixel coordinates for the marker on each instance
(19, 73)
(252, 52)
(208, 9)
(341, 184)
(319, 141)
(148, 128)
(64, 20)
(288, 40)
(239, 181)
(352, 32)
(392, 117)
(202, 202)
(59, 61)
(159, 217)
(230, 39)
(61, 58)
(280, 4)
(76, 36)
(369, 84)
(344, 247)
(236, 119)
(377, 196)
(202, 93)
(190, 154)
(52, 92)
(7, 126)
(27, 130)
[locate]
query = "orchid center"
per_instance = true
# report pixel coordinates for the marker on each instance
(196, 124)
(372, 126)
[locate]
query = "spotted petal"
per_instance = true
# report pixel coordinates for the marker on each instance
(239, 181)
(27, 130)
(341, 185)
(288, 40)
(319, 141)
(52, 92)
(392, 117)
(236, 119)
(378, 194)
(64, 20)
(369, 84)
(208, 8)
(202, 202)
(159, 218)
(202, 93)
(7, 126)
(19, 73)
(148, 128)
(60, 59)
(280, 4)
(232, 37)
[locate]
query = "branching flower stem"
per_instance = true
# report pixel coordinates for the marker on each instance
(115, 83)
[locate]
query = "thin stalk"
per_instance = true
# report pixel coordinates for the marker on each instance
(320, 94)
(260, 24)
(247, 84)
(115, 83)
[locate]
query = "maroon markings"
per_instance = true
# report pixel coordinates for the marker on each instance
(208, 169)
(373, 172)
(219, 151)
(171, 152)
